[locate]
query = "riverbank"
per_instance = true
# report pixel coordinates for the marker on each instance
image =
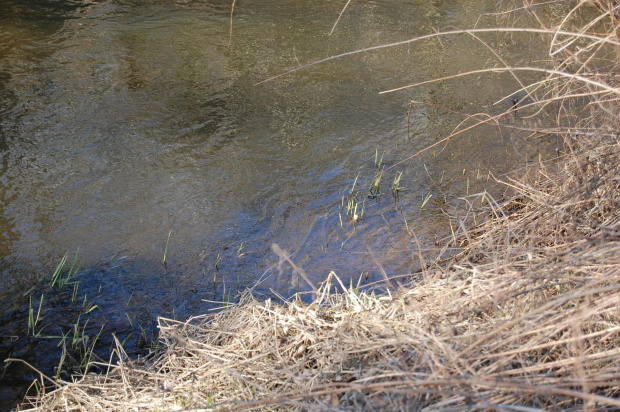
(519, 310)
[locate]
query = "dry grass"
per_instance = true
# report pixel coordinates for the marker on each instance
(525, 317)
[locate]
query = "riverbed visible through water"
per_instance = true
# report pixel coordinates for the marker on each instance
(140, 139)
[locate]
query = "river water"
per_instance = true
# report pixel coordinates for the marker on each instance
(134, 130)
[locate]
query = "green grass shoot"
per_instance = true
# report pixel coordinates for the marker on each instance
(378, 161)
(32, 320)
(166, 249)
(70, 274)
(217, 261)
(59, 281)
(88, 307)
(87, 351)
(58, 271)
(63, 355)
(74, 295)
(129, 300)
(226, 298)
(375, 184)
(354, 182)
(396, 184)
(428, 197)
(126, 339)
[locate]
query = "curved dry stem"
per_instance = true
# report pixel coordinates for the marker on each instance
(440, 34)
(603, 86)
(339, 16)
(232, 11)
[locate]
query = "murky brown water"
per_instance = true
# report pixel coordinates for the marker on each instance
(122, 122)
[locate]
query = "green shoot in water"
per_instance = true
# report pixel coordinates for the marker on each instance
(426, 200)
(88, 355)
(63, 355)
(374, 185)
(354, 182)
(81, 344)
(396, 184)
(217, 261)
(129, 300)
(32, 320)
(77, 337)
(166, 249)
(377, 160)
(76, 286)
(126, 339)
(58, 281)
(88, 307)
(226, 302)
(58, 271)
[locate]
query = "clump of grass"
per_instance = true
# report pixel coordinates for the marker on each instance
(81, 348)
(354, 209)
(396, 185)
(58, 280)
(79, 354)
(524, 317)
(33, 320)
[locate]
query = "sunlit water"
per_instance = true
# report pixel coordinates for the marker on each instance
(128, 126)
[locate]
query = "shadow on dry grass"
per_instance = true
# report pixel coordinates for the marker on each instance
(525, 317)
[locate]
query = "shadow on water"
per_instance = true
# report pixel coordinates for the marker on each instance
(73, 322)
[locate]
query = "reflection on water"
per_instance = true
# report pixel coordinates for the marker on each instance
(123, 122)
